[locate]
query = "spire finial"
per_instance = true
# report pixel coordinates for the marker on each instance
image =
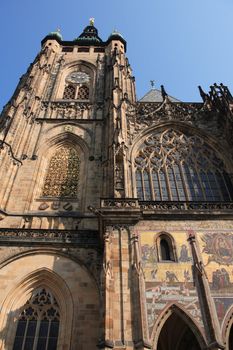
(92, 21)
(152, 82)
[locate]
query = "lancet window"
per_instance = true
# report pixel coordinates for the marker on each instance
(62, 178)
(171, 166)
(38, 323)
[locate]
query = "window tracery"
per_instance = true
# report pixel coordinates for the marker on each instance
(77, 86)
(177, 167)
(83, 93)
(62, 179)
(69, 92)
(38, 323)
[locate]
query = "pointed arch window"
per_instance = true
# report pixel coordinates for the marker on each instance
(172, 166)
(38, 323)
(83, 93)
(69, 92)
(166, 248)
(62, 178)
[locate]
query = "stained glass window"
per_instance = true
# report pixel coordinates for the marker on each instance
(171, 166)
(38, 323)
(62, 179)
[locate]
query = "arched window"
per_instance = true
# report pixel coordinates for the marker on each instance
(83, 93)
(171, 166)
(62, 177)
(166, 248)
(38, 323)
(69, 92)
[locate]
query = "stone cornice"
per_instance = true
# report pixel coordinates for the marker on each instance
(133, 209)
(81, 238)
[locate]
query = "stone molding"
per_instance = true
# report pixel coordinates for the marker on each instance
(84, 238)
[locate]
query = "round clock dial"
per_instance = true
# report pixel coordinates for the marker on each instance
(78, 77)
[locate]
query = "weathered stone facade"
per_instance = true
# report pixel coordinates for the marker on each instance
(116, 214)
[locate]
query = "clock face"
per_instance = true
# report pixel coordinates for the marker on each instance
(78, 77)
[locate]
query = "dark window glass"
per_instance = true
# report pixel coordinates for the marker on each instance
(163, 184)
(165, 250)
(181, 167)
(147, 190)
(35, 331)
(139, 184)
(155, 180)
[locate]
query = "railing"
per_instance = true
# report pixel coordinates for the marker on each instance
(129, 203)
(66, 109)
(80, 238)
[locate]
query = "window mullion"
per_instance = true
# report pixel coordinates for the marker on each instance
(47, 340)
(36, 333)
(143, 185)
(200, 182)
(181, 167)
(25, 334)
(174, 178)
(152, 194)
(219, 188)
(226, 186)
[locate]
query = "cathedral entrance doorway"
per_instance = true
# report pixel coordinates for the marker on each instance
(231, 339)
(177, 335)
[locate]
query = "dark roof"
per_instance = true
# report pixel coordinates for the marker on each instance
(155, 95)
(89, 35)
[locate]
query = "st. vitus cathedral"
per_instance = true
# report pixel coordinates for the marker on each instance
(116, 215)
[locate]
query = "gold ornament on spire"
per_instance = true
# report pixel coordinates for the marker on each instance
(92, 21)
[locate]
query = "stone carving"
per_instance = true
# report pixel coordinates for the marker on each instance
(81, 238)
(176, 166)
(146, 114)
(67, 110)
(63, 174)
(119, 203)
(43, 206)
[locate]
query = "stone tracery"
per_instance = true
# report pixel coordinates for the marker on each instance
(179, 167)
(62, 177)
(38, 324)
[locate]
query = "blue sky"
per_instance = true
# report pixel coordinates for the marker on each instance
(178, 43)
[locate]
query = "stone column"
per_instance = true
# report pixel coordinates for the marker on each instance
(106, 339)
(140, 324)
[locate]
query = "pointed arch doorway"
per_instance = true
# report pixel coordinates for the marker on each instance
(230, 344)
(176, 334)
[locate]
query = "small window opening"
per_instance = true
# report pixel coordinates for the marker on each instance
(165, 250)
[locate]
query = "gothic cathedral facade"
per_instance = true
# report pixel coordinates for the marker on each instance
(116, 215)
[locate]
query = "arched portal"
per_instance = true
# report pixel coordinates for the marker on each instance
(230, 341)
(177, 335)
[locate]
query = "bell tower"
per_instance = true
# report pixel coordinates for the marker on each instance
(116, 222)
